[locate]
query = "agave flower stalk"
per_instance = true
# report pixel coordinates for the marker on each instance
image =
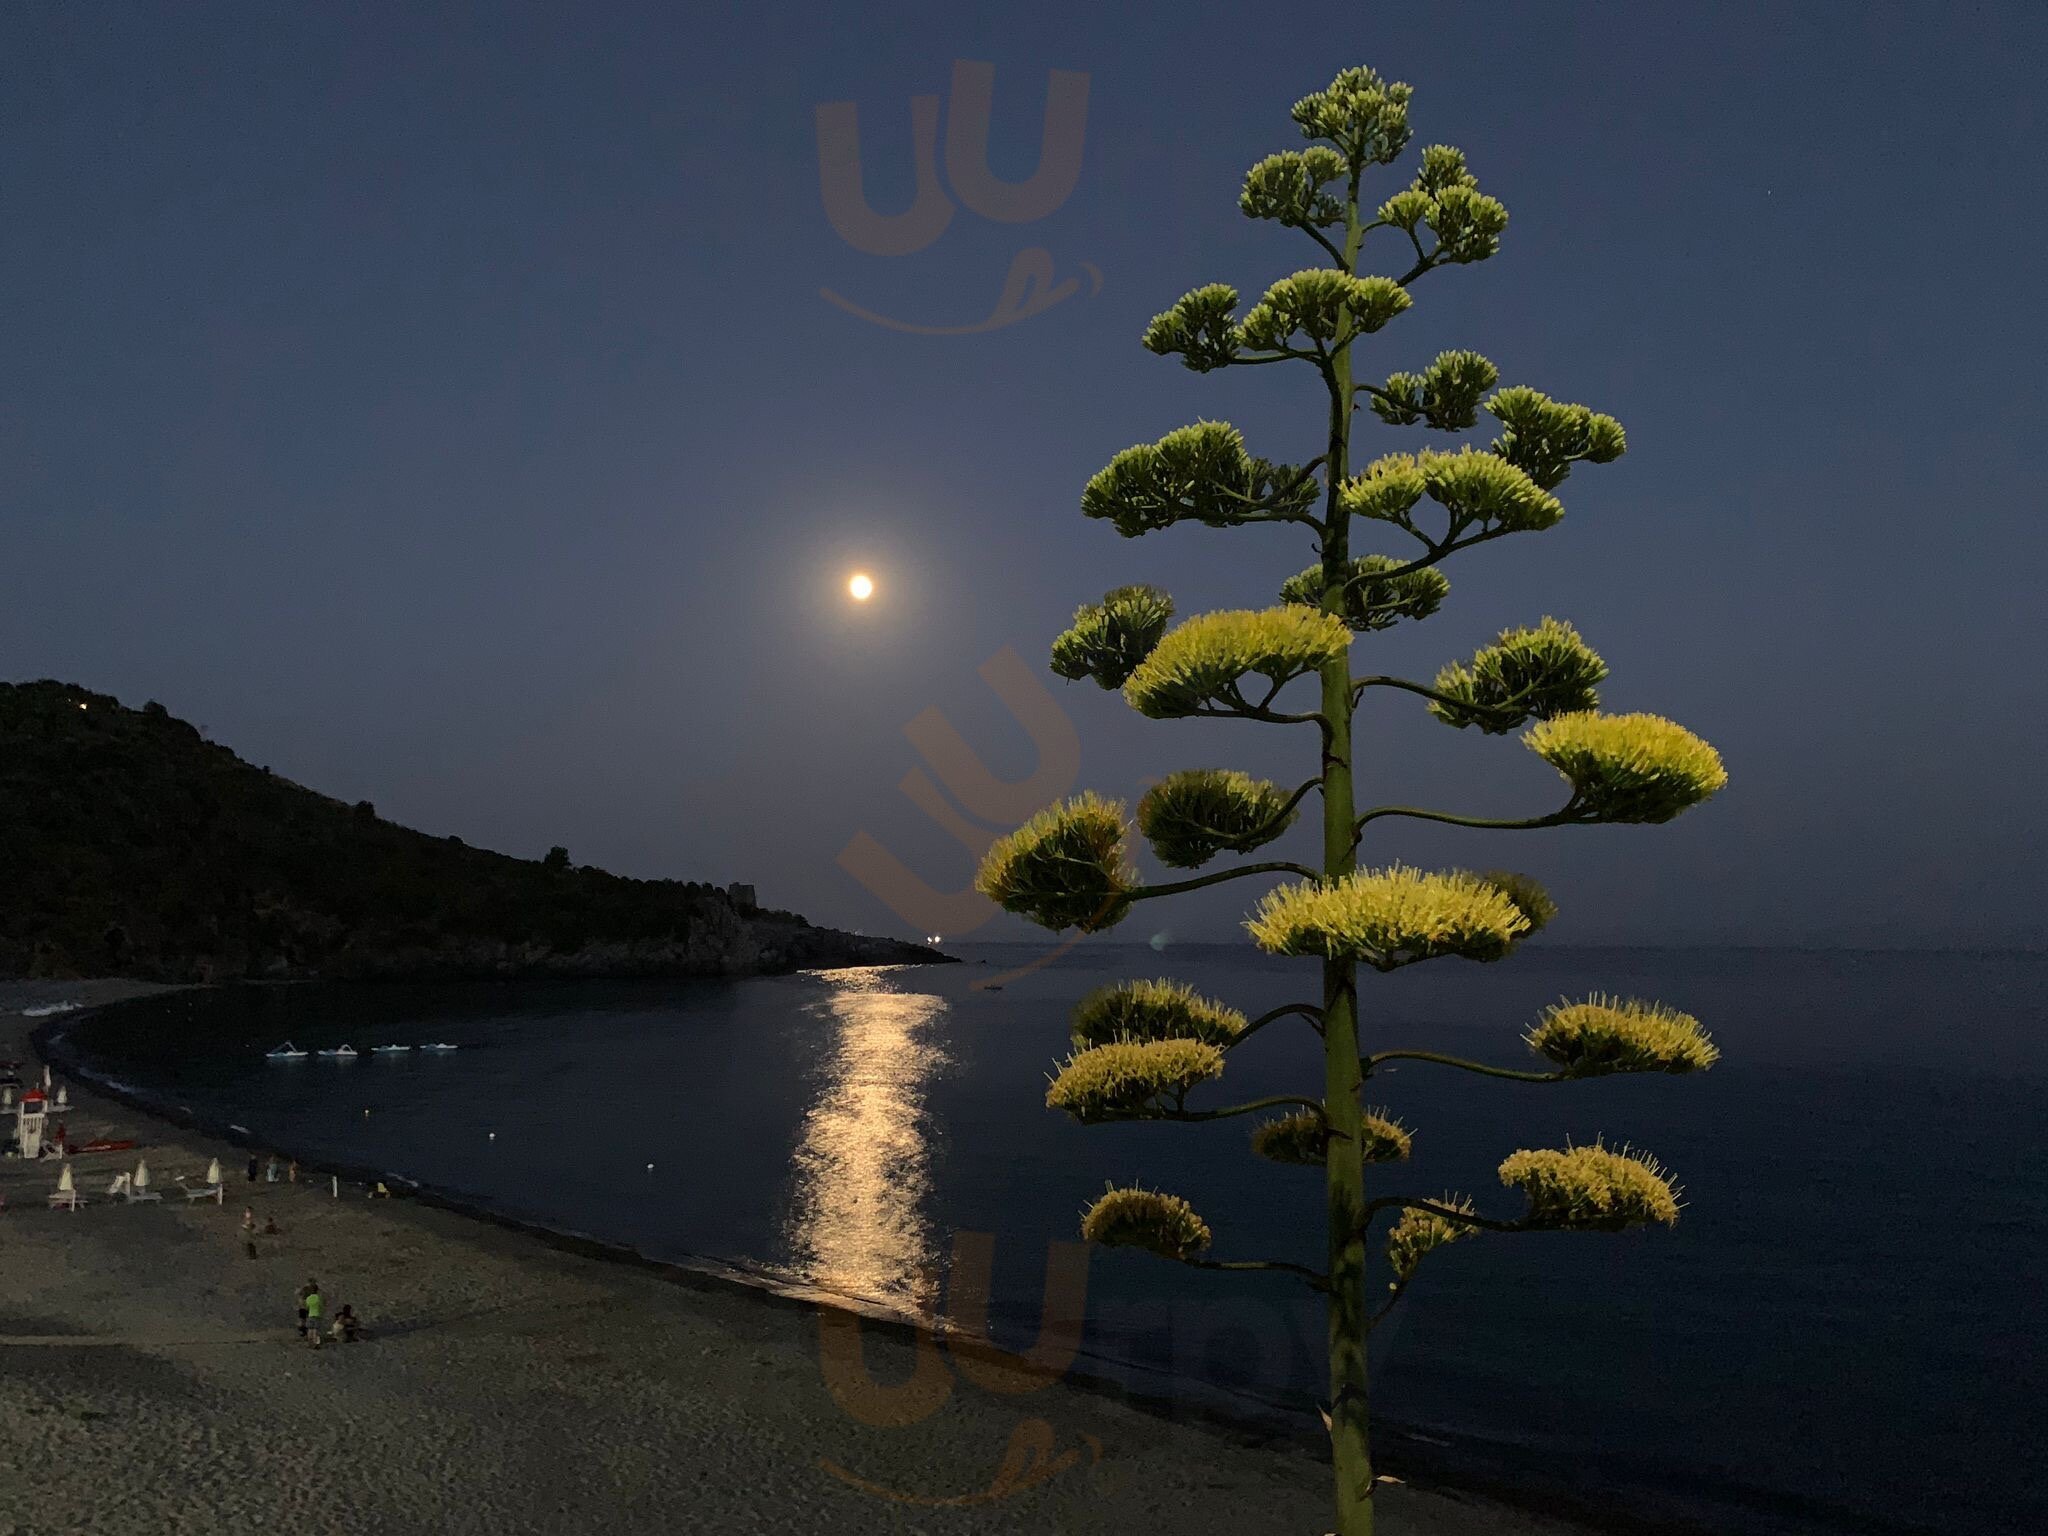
(1153, 1049)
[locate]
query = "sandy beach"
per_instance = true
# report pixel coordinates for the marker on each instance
(152, 1381)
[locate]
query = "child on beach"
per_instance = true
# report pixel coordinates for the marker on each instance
(315, 1306)
(309, 1289)
(345, 1326)
(248, 1219)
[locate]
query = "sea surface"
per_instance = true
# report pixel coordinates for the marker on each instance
(1843, 1333)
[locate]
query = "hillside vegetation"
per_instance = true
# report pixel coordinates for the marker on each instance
(131, 845)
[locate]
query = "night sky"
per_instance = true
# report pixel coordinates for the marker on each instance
(441, 408)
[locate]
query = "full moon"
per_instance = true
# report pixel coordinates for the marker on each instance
(860, 586)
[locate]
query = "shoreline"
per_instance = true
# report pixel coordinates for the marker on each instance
(1450, 1499)
(1259, 1421)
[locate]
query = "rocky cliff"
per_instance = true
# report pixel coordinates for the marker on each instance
(132, 846)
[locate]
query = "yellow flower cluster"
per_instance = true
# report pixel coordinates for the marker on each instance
(1198, 660)
(1592, 1189)
(1365, 116)
(1378, 590)
(1475, 487)
(1628, 768)
(1144, 1218)
(1064, 868)
(1526, 892)
(1108, 639)
(1301, 1137)
(1445, 394)
(1419, 1233)
(1153, 1010)
(1318, 302)
(1201, 326)
(1304, 1137)
(1385, 490)
(1607, 1034)
(1127, 1077)
(1200, 472)
(1546, 437)
(1528, 672)
(1445, 196)
(1389, 917)
(1479, 487)
(1288, 187)
(1191, 816)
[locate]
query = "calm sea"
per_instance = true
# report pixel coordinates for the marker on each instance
(1841, 1334)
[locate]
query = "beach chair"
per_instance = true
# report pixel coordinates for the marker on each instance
(211, 1189)
(138, 1186)
(118, 1186)
(66, 1197)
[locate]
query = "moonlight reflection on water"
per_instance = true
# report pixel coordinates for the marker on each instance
(862, 1166)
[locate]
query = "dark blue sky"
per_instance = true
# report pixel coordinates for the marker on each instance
(442, 409)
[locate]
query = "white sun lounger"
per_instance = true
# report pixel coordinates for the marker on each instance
(211, 1189)
(138, 1186)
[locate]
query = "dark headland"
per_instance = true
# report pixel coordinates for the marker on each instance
(133, 846)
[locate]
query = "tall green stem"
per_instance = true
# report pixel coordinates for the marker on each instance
(1344, 1167)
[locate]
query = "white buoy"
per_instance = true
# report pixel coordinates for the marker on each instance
(650, 1167)
(494, 1135)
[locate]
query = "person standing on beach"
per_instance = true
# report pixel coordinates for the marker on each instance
(270, 1172)
(252, 1167)
(306, 1292)
(315, 1306)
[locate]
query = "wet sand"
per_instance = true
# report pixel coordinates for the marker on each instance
(152, 1382)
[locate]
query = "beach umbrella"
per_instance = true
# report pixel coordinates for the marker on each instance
(64, 1184)
(213, 1171)
(141, 1174)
